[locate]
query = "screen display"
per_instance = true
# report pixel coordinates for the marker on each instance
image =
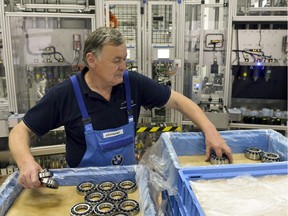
(163, 54)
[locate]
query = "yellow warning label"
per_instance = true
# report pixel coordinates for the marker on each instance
(158, 129)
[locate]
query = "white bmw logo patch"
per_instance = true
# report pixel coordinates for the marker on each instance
(117, 160)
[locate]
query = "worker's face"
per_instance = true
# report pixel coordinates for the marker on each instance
(111, 64)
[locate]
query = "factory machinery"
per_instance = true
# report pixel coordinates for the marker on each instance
(235, 64)
(258, 66)
(44, 45)
(218, 53)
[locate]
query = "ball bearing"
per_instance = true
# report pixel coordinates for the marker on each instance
(106, 187)
(81, 209)
(106, 199)
(85, 188)
(104, 208)
(49, 182)
(253, 153)
(270, 157)
(46, 180)
(129, 206)
(214, 160)
(116, 196)
(128, 186)
(94, 198)
(45, 174)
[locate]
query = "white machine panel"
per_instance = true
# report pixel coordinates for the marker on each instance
(131, 53)
(269, 41)
(163, 52)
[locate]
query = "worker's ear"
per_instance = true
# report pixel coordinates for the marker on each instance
(91, 59)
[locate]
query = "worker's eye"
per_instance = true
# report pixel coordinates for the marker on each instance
(117, 61)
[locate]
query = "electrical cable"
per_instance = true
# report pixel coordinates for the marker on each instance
(54, 53)
(254, 55)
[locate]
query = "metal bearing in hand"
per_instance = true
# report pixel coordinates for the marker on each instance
(117, 196)
(270, 157)
(129, 206)
(45, 174)
(94, 198)
(218, 160)
(49, 182)
(127, 185)
(253, 153)
(85, 188)
(44, 177)
(81, 209)
(104, 208)
(106, 187)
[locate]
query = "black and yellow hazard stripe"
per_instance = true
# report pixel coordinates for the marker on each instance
(158, 129)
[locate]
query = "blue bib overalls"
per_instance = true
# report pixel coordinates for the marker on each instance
(110, 146)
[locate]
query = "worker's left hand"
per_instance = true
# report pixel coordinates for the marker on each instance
(215, 142)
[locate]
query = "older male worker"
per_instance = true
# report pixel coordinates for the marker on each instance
(99, 109)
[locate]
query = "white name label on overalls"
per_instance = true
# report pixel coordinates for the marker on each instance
(113, 133)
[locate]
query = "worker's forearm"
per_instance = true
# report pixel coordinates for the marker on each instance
(192, 111)
(197, 116)
(19, 144)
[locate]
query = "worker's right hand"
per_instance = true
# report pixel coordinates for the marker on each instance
(29, 174)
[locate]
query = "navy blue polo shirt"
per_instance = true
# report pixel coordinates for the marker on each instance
(59, 107)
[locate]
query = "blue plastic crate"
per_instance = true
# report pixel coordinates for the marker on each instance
(171, 204)
(10, 190)
(189, 203)
(174, 206)
(163, 155)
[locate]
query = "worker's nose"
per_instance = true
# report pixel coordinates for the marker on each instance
(122, 66)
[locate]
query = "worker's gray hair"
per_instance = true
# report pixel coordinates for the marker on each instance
(100, 37)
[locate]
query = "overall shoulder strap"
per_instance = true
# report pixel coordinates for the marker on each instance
(85, 117)
(128, 96)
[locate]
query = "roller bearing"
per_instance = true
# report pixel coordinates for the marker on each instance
(127, 185)
(81, 209)
(106, 187)
(253, 153)
(270, 157)
(94, 198)
(129, 206)
(49, 182)
(45, 174)
(105, 208)
(85, 188)
(214, 160)
(117, 196)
